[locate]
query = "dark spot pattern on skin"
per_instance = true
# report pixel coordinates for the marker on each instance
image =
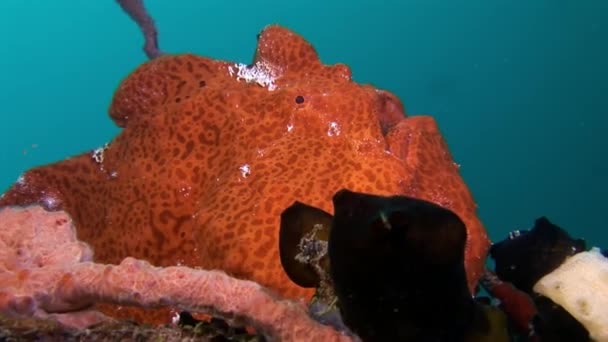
(222, 158)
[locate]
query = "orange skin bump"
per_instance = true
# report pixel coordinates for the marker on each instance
(212, 152)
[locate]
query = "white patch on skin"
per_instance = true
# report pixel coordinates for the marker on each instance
(333, 129)
(50, 202)
(175, 318)
(261, 73)
(185, 191)
(245, 170)
(97, 155)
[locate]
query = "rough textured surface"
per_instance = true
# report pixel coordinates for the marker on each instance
(15, 330)
(212, 152)
(580, 285)
(62, 284)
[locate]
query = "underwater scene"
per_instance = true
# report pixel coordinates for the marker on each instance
(270, 170)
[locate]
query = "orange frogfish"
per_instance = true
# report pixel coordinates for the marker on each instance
(211, 152)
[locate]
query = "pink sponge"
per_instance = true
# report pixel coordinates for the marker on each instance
(46, 272)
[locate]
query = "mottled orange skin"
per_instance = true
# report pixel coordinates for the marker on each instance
(207, 162)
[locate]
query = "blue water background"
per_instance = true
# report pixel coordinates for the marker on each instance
(519, 88)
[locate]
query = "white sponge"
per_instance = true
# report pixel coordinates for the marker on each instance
(580, 286)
